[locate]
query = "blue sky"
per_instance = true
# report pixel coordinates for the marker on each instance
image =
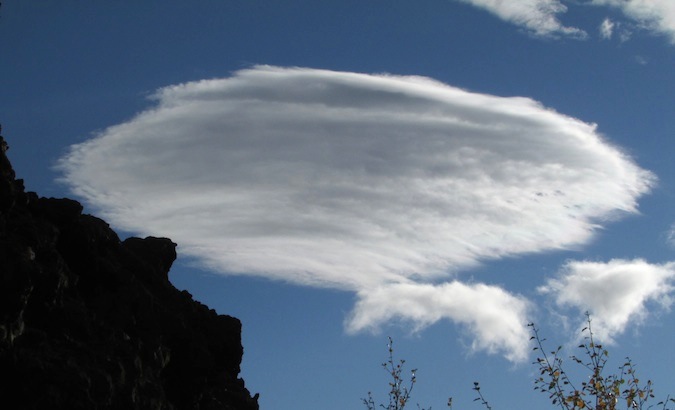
(441, 172)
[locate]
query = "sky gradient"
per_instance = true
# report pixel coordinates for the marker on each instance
(443, 172)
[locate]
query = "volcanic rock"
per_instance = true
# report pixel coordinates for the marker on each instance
(88, 321)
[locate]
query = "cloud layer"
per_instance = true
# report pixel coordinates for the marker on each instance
(368, 183)
(615, 293)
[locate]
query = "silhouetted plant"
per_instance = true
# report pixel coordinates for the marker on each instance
(600, 391)
(399, 391)
(480, 398)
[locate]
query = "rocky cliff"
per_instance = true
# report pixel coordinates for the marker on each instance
(91, 322)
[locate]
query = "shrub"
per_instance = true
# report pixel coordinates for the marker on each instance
(399, 391)
(598, 391)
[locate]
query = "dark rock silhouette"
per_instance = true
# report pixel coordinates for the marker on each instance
(90, 322)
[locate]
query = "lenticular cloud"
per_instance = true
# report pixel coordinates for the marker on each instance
(352, 181)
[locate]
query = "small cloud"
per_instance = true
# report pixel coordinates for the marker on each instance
(606, 29)
(537, 16)
(357, 182)
(615, 293)
(497, 323)
(625, 34)
(609, 28)
(641, 60)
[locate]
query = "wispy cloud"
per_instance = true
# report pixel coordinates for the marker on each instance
(606, 29)
(655, 15)
(537, 16)
(615, 293)
(368, 183)
(641, 60)
(541, 17)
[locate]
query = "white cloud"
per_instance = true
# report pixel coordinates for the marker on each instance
(495, 318)
(606, 28)
(615, 293)
(538, 16)
(352, 181)
(655, 15)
